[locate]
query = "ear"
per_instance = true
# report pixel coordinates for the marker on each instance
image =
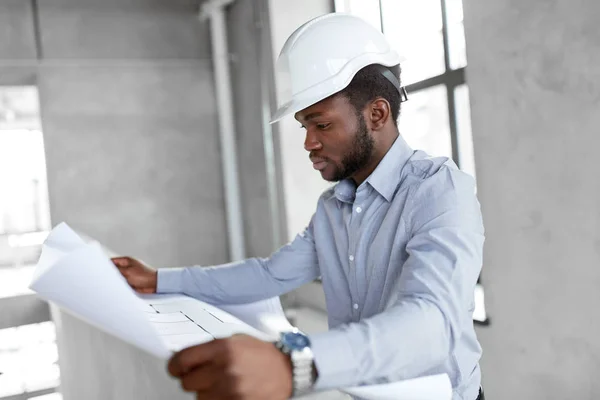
(379, 113)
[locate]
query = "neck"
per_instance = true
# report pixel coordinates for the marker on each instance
(381, 149)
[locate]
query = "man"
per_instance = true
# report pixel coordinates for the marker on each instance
(397, 242)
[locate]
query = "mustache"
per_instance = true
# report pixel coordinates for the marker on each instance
(314, 157)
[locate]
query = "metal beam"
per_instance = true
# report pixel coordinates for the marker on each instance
(29, 395)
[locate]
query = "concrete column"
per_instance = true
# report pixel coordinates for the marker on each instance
(534, 79)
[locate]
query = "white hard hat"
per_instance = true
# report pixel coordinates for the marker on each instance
(322, 56)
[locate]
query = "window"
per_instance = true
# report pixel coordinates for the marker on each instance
(28, 353)
(24, 205)
(28, 361)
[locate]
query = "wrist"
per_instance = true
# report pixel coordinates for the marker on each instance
(296, 347)
(154, 281)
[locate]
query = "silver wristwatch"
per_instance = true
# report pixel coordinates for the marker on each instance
(297, 346)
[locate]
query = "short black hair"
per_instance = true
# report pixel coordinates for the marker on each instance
(368, 84)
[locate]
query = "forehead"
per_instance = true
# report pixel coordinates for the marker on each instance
(332, 106)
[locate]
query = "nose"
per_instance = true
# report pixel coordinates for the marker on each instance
(311, 142)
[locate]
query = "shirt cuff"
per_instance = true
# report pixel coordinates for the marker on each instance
(170, 280)
(334, 359)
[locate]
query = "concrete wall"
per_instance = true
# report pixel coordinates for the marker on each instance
(135, 86)
(534, 79)
(17, 43)
(129, 120)
(16, 31)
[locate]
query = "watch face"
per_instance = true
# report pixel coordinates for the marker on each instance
(295, 341)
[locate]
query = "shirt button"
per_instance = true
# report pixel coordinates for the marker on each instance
(355, 306)
(358, 210)
(351, 258)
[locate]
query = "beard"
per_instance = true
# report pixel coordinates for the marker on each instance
(359, 155)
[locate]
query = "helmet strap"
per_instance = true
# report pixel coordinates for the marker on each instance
(394, 81)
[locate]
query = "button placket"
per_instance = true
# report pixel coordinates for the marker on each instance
(353, 224)
(357, 218)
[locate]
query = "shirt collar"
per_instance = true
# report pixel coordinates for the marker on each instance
(386, 176)
(345, 191)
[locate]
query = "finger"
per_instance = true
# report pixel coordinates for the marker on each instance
(207, 395)
(213, 394)
(202, 379)
(194, 357)
(223, 389)
(121, 262)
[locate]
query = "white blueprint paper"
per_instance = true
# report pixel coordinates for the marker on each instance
(435, 387)
(80, 278)
(212, 320)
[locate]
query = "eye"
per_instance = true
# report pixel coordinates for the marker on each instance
(323, 126)
(302, 127)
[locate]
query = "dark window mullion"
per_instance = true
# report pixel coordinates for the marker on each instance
(381, 17)
(454, 77)
(450, 86)
(445, 35)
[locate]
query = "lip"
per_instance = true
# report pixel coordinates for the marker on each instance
(319, 165)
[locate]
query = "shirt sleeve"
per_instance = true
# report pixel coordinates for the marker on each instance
(433, 294)
(249, 280)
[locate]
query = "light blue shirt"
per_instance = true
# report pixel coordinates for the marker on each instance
(399, 258)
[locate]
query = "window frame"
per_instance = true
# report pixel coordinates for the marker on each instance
(450, 78)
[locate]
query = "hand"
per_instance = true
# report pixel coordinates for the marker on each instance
(142, 278)
(239, 367)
